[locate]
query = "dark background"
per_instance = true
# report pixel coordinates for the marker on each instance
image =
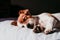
(10, 8)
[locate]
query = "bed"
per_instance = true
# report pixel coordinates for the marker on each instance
(11, 32)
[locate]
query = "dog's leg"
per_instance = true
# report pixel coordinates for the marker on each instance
(34, 26)
(35, 29)
(47, 30)
(49, 25)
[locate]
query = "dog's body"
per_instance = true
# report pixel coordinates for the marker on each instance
(48, 21)
(45, 21)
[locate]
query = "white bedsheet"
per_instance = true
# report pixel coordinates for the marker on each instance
(10, 32)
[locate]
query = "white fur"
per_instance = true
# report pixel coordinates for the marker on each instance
(31, 21)
(20, 25)
(47, 22)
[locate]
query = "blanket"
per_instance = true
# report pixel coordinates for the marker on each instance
(11, 32)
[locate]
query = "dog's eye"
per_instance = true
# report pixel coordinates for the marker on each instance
(21, 11)
(27, 14)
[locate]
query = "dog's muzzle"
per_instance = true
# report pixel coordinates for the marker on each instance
(30, 23)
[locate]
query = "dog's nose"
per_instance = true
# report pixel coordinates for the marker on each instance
(31, 26)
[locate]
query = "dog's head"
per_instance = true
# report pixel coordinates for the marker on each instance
(24, 15)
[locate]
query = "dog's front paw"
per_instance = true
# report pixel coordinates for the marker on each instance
(37, 30)
(46, 31)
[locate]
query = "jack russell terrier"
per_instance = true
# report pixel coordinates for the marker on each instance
(43, 22)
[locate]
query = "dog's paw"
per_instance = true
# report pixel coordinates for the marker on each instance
(37, 30)
(46, 31)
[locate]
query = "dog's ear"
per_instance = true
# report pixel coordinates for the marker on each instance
(23, 11)
(14, 23)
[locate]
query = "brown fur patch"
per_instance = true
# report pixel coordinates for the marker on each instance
(14, 23)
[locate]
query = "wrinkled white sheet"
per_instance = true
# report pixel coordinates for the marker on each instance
(10, 32)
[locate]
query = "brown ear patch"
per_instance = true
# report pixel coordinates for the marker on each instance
(14, 23)
(23, 11)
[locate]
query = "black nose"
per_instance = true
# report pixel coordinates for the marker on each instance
(31, 26)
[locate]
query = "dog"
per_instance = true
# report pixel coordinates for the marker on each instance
(44, 22)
